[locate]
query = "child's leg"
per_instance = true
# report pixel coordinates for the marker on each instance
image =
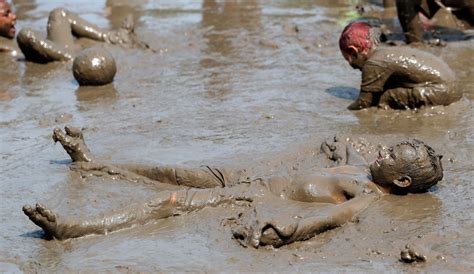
(437, 94)
(398, 98)
(59, 27)
(40, 50)
(410, 20)
(168, 203)
(428, 95)
(62, 24)
(64, 228)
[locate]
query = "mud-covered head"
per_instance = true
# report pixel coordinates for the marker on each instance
(410, 166)
(357, 41)
(7, 20)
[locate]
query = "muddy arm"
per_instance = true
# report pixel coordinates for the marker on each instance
(73, 143)
(354, 158)
(363, 101)
(278, 230)
(204, 177)
(337, 216)
(72, 140)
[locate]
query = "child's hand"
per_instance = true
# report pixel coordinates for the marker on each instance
(335, 150)
(261, 230)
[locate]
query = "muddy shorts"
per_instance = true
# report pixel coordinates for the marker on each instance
(207, 177)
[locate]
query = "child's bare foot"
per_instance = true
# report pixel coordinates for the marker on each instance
(74, 144)
(43, 218)
(126, 36)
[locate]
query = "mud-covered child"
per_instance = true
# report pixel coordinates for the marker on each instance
(281, 209)
(397, 77)
(62, 29)
(7, 20)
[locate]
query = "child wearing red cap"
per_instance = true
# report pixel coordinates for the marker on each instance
(395, 77)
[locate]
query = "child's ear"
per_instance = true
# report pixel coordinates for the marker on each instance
(403, 182)
(353, 50)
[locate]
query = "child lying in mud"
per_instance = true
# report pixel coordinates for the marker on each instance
(395, 77)
(63, 26)
(282, 209)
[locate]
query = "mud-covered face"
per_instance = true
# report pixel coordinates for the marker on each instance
(7, 21)
(355, 59)
(391, 166)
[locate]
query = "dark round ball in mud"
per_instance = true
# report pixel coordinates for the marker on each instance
(94, 67)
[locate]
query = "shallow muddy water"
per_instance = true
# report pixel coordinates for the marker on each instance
(254, 84)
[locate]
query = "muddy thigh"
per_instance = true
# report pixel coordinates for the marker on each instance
(428, 95)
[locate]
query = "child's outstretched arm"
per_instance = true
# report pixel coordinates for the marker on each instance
(336, 216)
(72, 140)
(278, 230)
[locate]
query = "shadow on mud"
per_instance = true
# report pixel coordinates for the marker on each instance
(349, 93)
(37, 234)
(61, 162)
(106, 93)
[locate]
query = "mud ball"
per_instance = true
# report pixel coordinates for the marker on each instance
(94, 67)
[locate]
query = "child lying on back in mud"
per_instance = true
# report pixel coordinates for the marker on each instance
(395, 77)
(320, 199)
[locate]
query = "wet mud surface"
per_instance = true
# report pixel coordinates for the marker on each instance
(242, 85)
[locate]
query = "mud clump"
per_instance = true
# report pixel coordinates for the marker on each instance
(94, 67)
(412, 254)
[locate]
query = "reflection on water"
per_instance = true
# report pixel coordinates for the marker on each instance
(23, 8)
(224, 23)
(33, 71)
(118, 10)
(105, 93)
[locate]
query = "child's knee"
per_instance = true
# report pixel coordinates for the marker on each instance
(25, 36)
(57, 13)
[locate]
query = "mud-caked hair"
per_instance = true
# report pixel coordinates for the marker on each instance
(427, 171)
(360, 35)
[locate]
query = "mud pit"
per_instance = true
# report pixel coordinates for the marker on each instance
(230, 85)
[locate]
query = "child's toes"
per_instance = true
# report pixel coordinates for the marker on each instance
(28, 210)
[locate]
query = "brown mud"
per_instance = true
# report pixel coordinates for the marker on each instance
(201, 100)
(94, 67)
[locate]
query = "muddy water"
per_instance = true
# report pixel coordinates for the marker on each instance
(231, 84)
